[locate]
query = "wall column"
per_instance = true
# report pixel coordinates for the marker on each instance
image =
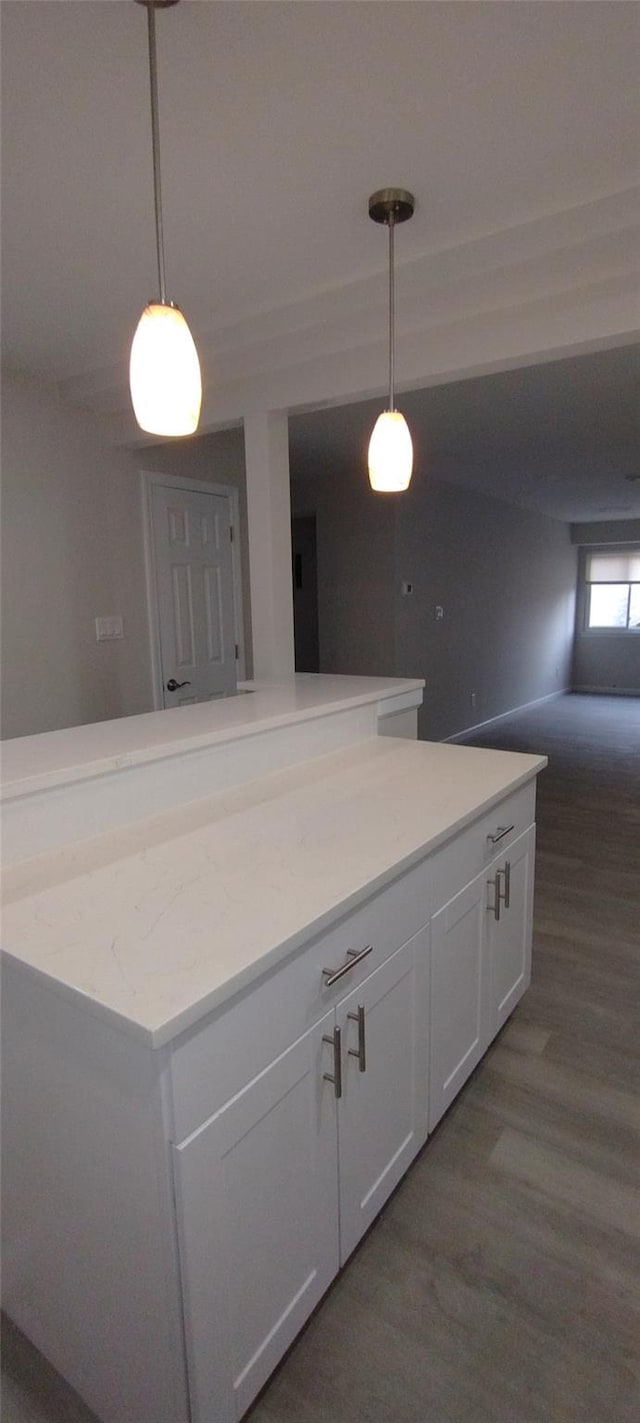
(266, 444)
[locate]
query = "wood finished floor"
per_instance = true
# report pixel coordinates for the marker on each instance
(502, 1282)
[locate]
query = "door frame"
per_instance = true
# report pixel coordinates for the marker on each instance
(148, 481)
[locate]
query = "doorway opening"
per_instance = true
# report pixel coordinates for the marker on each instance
(305, 593)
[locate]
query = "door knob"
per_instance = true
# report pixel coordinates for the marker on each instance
(173, 686)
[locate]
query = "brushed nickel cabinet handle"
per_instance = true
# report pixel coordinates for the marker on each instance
(361, 1051)
(501, 831)
(333, 974)
(335, 1039)
(495, 907)
(501, 895)
(507, 884)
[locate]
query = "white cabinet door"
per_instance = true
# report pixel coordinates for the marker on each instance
(257, 1203)
(460, 995)
(382, 1115)
(510, 936)
(480, 967)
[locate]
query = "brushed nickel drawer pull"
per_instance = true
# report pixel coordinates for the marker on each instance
(333, 974)
(361, 1051)
(501, 831)
(335, 1039)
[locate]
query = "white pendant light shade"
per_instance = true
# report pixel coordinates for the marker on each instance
(390, 453)
(164, 373)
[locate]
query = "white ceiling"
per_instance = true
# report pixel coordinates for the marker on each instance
(560, 438)
(509, 121)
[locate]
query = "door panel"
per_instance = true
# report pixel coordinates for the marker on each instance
(459, 995)
(194, 593)
(510, 936)
(257, 1198)
(213, 610)
(184, 653)
(382, 1116)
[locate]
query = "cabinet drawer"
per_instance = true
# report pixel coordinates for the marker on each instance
(471, 851)
(219, 1056)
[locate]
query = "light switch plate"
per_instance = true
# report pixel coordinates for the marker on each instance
(107, 629)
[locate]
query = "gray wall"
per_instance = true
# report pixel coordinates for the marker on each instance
(72, 550)
(505, 577)
(611, 531)
(604, 661)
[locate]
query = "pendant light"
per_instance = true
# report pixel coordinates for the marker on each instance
(164, 370)
(390, 447)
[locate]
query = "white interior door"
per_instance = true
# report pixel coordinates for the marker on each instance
(193, 569)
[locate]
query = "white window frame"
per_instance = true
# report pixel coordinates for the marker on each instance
(588, 584)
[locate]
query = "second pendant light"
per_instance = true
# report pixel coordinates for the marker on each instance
(390, 447)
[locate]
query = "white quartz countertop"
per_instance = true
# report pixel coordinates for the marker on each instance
(155, 924)
(53, 758)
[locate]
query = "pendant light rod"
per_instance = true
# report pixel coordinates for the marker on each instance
(390, 206)
(155, 146)
(392, 223)
(151, 6)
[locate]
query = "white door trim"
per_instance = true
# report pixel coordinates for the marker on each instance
(198, 486)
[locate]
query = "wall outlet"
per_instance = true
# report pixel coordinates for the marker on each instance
(109, 628)
(438, 612)
(474, 701)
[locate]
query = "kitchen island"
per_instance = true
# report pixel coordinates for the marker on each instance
(229, 1028)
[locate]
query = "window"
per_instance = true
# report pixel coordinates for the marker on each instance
(613, 590)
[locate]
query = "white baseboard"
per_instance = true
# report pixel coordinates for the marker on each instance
(609, 691)
(526, 706)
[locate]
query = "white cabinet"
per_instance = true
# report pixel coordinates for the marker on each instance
(480, 959)
(257, 1200)
(174, 1213)
(274, 1191)
(509, 935)
(382, 1114)
(459, 994)
(279, 1184)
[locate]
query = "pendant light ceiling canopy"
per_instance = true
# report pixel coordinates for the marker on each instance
(390, 447)
(164, 370)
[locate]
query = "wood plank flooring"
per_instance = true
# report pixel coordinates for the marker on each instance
(502, 1282)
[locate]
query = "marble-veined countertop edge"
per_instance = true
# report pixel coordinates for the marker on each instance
(31, 764)
(374, 769)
